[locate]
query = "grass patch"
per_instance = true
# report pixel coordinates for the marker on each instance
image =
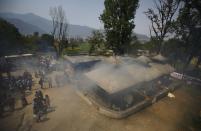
(81, 48)
(84, 47)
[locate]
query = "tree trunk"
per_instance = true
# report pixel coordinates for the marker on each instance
(198, 62)
(161, 45)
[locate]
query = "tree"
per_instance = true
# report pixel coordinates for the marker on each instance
(36, 34)
(9, 32)
(60, 27)
(48, 38)
(97, 42)
(151, 45)
(11, 41)
(188, 28)
(118, 18)
(161, 19)
(73, 42)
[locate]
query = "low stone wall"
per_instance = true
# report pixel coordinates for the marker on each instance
(135, 108)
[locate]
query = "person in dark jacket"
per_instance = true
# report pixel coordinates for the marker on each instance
(41, 81)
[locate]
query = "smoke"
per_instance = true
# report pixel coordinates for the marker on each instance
(128, 72)
(116, 82)
(112, 81)
(112, 74)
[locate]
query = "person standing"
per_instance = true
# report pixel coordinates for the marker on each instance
(50, 82)
(30, 82)
(35, 106)
(37, 103)
(38, 106)
(41, 82)
(47, 101)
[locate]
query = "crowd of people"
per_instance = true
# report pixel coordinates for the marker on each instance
(40, 105)
(11, 85)
(19, 83)
(46, 63)
(43, 78)
(23, 84)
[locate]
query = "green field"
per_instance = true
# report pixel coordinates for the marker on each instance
(81, 48)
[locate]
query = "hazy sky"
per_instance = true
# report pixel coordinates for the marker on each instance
(80, 12)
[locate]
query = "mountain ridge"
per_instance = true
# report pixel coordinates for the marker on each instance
(23, 27)
(44, 25)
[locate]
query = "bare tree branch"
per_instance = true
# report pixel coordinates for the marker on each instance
(60, 27)
(161, 18)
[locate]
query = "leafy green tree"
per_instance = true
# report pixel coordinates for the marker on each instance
(48, 38)
(118, 18)
(31, 42)
(74, 42)
(134, 46)
(97, 42)
(9, 31)
(188, 28)
(151, 45)
(174, 49)
(10, 38)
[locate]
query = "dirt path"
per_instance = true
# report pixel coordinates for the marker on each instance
(74, 114)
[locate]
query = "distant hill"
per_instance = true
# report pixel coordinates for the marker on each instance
(30, 18)
(45, 25)
(25, 28)
(29, 23)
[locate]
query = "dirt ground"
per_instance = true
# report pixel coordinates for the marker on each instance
(73, 114)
